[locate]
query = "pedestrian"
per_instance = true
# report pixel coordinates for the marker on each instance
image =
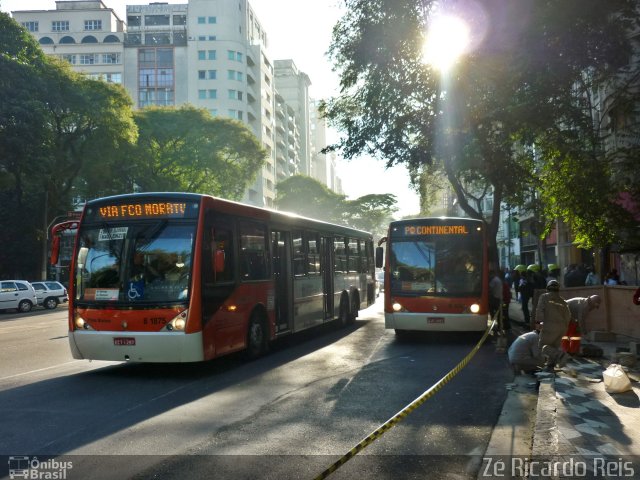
(495, 292)
(524, 353)
(636, 297)
(553, 316)
(526, 294)
(574, 276)
(517, 275)
(553, 272)
(612, 278)
(506, 300)
(592, 277)
(580, 307)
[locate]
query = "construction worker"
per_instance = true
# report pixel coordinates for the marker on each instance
(553, 315)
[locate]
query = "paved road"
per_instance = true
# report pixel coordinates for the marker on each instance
(288, 415)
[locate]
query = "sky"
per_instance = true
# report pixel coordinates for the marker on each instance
(306, 42)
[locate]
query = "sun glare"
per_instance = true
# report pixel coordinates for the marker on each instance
(447, 39)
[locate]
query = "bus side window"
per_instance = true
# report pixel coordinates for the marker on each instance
(219, 252)
(253, 252)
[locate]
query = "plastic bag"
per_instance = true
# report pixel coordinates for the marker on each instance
(615, 379)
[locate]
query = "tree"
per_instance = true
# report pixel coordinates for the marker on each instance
(54, 124)
(370, 213)
(319, 202)
(479, 124)
(185, 149)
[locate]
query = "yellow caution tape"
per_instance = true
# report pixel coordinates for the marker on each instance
(393, 421)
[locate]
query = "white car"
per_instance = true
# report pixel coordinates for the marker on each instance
(50, 294)
(17, 294)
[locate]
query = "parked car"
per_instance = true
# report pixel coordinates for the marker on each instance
(17, 294)
(50, 294)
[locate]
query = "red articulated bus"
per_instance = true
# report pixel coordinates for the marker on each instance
(181, 277)
(436, 275)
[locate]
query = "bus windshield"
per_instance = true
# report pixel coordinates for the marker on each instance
(132, 263)
(444, 266)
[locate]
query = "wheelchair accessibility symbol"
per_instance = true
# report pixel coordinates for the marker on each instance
(136, 290)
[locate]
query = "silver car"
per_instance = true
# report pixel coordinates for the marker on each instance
(17, 294)
(50, 294)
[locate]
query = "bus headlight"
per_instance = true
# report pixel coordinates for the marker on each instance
(397, 307)
(178, 323)
(475, 308)
(81, 323)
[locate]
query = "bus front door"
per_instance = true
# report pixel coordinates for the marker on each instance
(282, 279)
(327, 267)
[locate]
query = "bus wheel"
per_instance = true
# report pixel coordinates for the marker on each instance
(256, 336)
(343, 314)
(355, 308)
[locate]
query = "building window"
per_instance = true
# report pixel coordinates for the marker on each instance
(202, 94)
(153, 20)
(213, 94)
(232, 94)
(213, 112)
(89, 39)
(88, 59)
(231, 55)
(111, 58)
(231, 74)
(179, 19)
(60, 26)
(202, 74)
(45, 41)
(157, 39)
(201, 20)
(211, 54)
(239, 56)
(134, 20)
(67, 39)
(212, 37)
(113, 78)
(93, 24)
(202, 55)
(202, 37)
(211, 74)
(212, 20)
(31, 26)
(239, 76)
(70, 59)
(111, 39)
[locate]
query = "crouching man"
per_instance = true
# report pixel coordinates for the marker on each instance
(524, 353)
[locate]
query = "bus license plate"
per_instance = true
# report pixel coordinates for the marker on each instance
(435, 319)
(124, 341)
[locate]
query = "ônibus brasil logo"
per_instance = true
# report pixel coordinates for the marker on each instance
(32, 468)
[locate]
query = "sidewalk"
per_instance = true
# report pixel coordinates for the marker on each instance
(577, 427)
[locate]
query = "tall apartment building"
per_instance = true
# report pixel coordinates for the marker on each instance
(293, 86)
(209, 54)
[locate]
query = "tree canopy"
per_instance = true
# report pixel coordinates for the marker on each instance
(308, 197)
(499, 121)
(185, 149)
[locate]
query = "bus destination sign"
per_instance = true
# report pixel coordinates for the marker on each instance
(142, 210)
(410, 230)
